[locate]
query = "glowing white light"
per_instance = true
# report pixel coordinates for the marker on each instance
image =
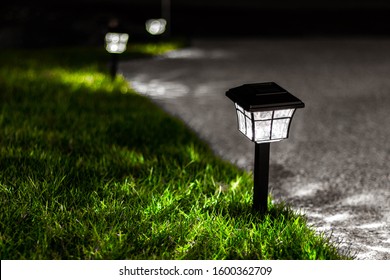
(263, 131)
(264, 126)
(116, 42)
(156, 26)
(264, 110)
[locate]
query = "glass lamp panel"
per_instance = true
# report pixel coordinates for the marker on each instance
(262, 131)
(280, 128)
(115, 48)
(112, 48)
(113, 37)
(238, 107)
(241, 121)
(121, 47)
(264, 115)
(124, 37)
(283, 113)
(249, 132)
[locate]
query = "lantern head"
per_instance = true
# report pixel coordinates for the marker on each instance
(116, 42)
(264, 110)
(156, 26)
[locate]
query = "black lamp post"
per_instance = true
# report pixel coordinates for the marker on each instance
(264, 112)
(116, 44)
(166, 14)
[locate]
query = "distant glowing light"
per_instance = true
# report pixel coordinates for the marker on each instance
(156, 26)
(116, 42)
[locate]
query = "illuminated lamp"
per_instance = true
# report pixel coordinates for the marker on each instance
(116, 44)
(264, 114)
(156, 26)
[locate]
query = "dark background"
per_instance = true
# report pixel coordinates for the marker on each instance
(83, 22)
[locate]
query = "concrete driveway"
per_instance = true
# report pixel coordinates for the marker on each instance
(335, 166)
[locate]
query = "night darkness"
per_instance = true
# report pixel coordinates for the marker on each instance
(44, 23)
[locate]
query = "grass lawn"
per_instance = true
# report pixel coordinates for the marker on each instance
(89, 169)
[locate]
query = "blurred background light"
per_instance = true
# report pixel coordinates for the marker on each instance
(156, 26)
(116, 42)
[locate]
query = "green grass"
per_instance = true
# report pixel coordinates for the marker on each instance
(91, 170)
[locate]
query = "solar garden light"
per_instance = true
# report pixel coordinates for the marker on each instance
(264, 113)
(156, 26)
(115, 44)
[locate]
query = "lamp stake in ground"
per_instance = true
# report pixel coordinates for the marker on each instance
(264, 113)
(114, 65)
(260, 178)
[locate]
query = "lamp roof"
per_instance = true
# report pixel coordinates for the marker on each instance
(263, 97)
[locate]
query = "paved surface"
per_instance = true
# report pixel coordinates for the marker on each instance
(335, 166)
